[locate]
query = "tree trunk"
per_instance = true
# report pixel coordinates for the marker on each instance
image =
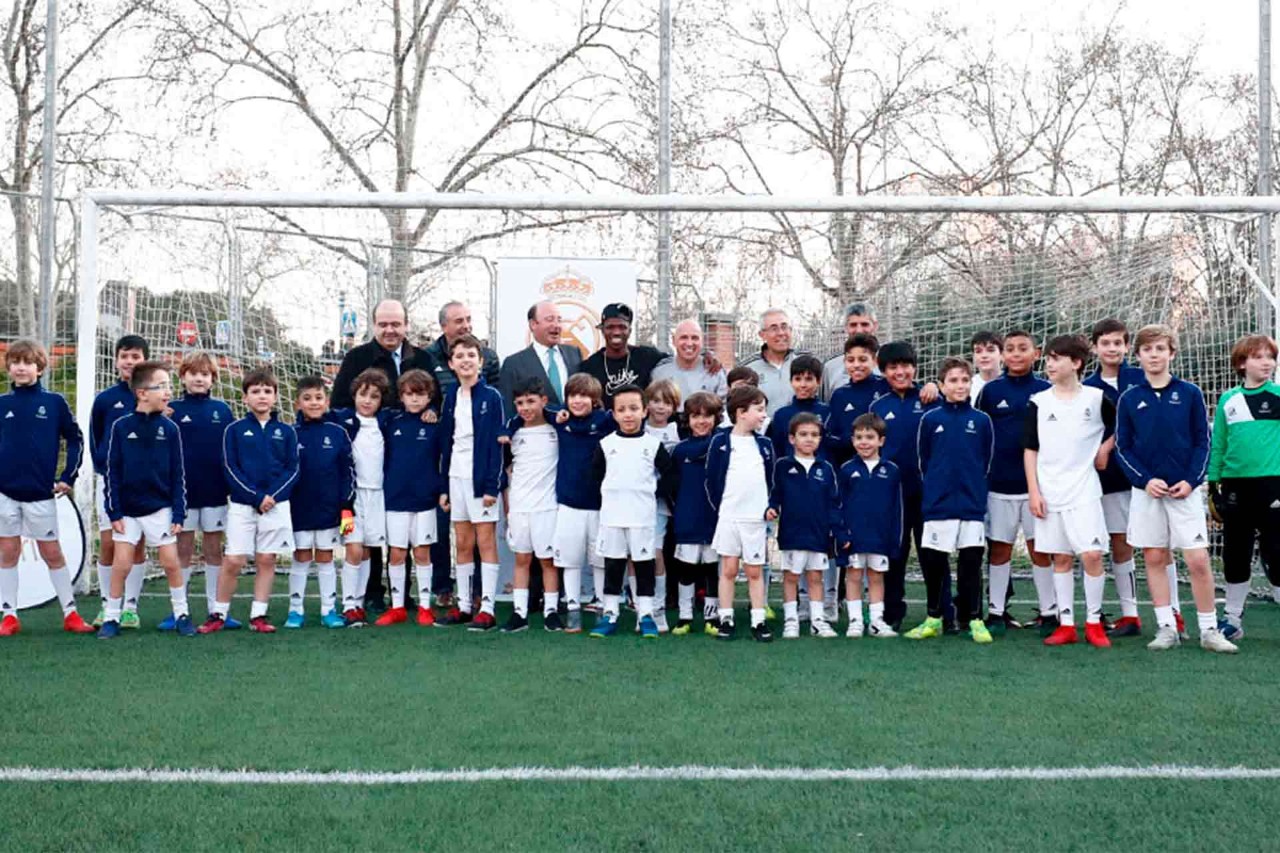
(23, 231)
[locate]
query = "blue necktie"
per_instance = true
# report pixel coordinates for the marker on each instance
(553, 374)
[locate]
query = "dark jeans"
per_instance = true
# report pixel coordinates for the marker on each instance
(442, 555)
(1247, 516)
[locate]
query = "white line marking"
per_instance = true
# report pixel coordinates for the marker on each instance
(685, 773)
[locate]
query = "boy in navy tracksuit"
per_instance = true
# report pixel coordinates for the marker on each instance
(851, 401)
(872, 535)
(805, 384)
(471, 465)
(956, 443)
(693, 519)
(806, 497)
(33, 425)
(202, 420)
(113, 403)
(146, 493)
(260, 455)
(325, 491)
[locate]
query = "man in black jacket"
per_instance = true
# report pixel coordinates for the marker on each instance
(455, 321)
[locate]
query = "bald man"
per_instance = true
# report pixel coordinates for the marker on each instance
(688, 369)
(389, 351)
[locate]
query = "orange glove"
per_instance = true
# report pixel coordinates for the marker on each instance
(348, 522)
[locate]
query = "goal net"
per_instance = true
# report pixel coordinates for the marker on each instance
(291, 281)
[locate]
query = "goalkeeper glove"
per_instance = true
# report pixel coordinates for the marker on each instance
(1215, 499)
(348, 522)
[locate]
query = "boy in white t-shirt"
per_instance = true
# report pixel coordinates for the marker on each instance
(662, 401)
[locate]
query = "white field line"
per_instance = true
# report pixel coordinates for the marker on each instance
(773, 599)
(684, 773)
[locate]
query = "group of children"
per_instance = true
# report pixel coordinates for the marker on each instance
(1077, 467)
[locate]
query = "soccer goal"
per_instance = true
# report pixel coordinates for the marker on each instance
(290, 279)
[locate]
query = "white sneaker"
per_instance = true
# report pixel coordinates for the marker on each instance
(791, 629)
(1166, 638)
(1213, 640)
(660, 616)
(855, 630)
(821, 628)
(880, 629)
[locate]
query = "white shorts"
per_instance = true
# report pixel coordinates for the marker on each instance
(465, 506)
(1005, 515)
(250, 532)
(696, 554)
(617, 543)
(532, 533)
(799, 562)
(1167, 522)
(412, 529)
(874, 562)
(371, 519)
(36, 520)
(206, 519)
(739, 538)
(1078, 530)
(320, 540)
(952, 534)
(574, 541)
(1115, 510)
(100, 498)
(155, 527)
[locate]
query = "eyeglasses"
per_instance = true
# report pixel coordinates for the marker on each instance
(777, 327)
(155, 387)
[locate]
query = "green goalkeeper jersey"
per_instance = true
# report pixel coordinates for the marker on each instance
(1246, 433)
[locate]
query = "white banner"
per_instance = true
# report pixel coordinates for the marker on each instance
(34, 587)
(580, 286)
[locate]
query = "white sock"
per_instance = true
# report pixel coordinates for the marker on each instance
(104, 585)
(1174, 602)
(350, 578)
(597, 580)
(550, 603)
(187, 572)
(1093, 587)
(328, 586)
(853, 606)
(876, 609)
(424, 585)
(685, 592)
(61, 580)
(710, 607)
(520, 600)
(1164, 617)
(178, 600)
(573, 588)
(133, 585)
(259, 608)
(1064, 587)
(1237, 593)
(488, 586)
(1207, 621)
(466, 598)
(298, 585)
(221, 609)
(791, 611)
(631, 587)
(999, 588)
(611, 605)
(757, 616)
(816, 612)
(362, 582)
(111, 610)
(830, 577)
(725, 614)
(660, 592)
(644, 606)
(9, 591)
(211, 586)
(1126, 587)
(1045, 589)
(399, 576)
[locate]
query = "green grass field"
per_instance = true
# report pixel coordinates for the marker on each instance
(409, 698)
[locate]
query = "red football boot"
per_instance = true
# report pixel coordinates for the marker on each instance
(211, 625)
(1127, 626)
(393, 616)
(455, 616)
(1064, 635)
(483, 622)
(1096, 635)
(261, 625)
(73, 624)
(10, 626)
(426, 616)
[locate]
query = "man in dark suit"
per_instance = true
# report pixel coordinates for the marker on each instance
(545, 358)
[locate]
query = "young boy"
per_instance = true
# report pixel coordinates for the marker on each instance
(986, 346)
(580, 428)
(369, 452)
(736, 378)
(34, 423)
(804, 385)
(850, 402)
(471, 464)
(411, 488)
(1114, 376)
(632, 469)
(739, 482)
(146, 494)
(113, 403)
(1004, 400)
(1162, 439)
(1068, 434)
(871, 509)
(201, 419)
(324, 492)
(534, 452)
(806, 500)
(663, 401)
(694, 521)
(955, 447)
(260, 453)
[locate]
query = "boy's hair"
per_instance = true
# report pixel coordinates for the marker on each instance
(896, 352)
(1247, 346)
(1070, 346)
(468, 341)
(628, 389)
(416, 381)
(134, 342)
(862, 340)
(143, 373)
(951, 363)
(27, 351)
(1109, 326)
(802, 364)
(371, 377)
(259, 376)
(530, 385)
(584, 385)
(801, 419)
(744, 397)
(742, 373)
(986, 338)
(312, 383)
(198, 361)
(664, 390)
(1018, 333)
(869, 421)
(1154, 332)
(703, 403)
